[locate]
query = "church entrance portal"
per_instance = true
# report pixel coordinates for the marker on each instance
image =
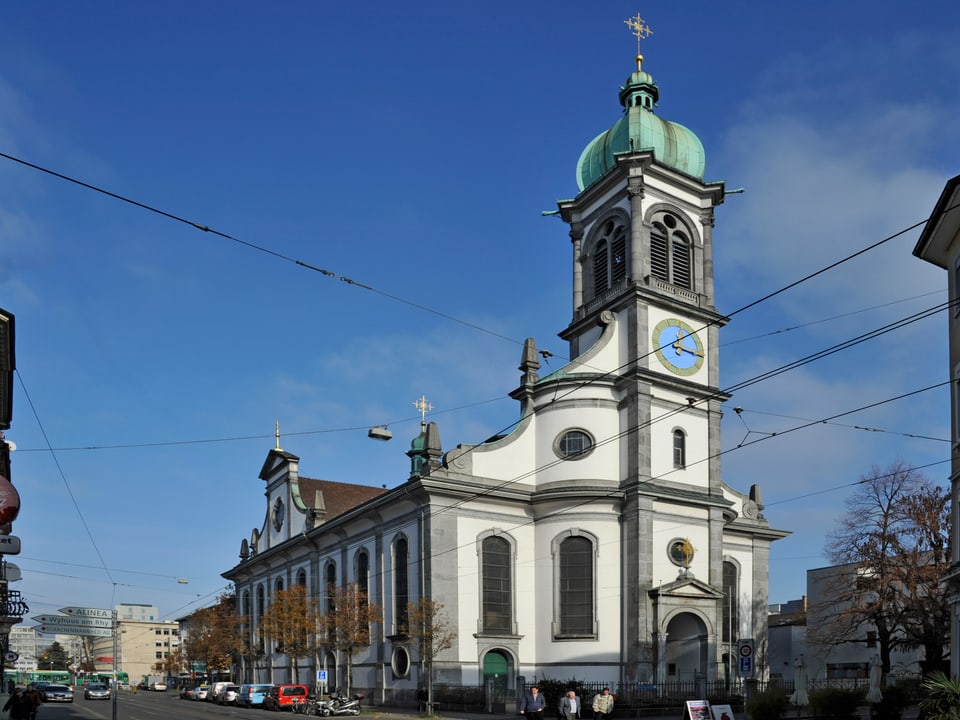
(496, 674)
(686, 651)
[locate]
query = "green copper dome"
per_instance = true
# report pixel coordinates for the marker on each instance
(639, 129)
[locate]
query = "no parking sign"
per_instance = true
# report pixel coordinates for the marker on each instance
(745, 657)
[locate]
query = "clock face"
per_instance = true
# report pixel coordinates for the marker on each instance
(278, 514)
(677, 346)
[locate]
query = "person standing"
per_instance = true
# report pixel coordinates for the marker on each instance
(570, 706)
(603, 705)
(533, 704)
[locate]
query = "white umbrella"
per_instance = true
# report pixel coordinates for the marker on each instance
(799, 697)
(873, 694)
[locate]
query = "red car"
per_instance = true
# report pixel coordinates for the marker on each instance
(285, 697)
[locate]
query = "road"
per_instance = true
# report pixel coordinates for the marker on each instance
(150, 706)
(165, 705)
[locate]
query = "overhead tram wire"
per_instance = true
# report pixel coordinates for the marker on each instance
(417, 418)
(396, 298)
(63, 477)
(614, 493)
(254, 246)
(329, 273)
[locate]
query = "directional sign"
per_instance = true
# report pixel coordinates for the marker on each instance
(73, 621)
(87, 612)
(75, 630)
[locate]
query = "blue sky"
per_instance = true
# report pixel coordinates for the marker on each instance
(413, 148)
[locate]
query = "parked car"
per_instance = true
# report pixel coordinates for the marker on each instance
(56, 693)
(215, 690)
(228, 695)
(252, 695)
(200, 692)
(285, 697)
(96, 691)
(186, 693)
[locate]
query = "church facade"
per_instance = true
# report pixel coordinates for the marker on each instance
(597, 539)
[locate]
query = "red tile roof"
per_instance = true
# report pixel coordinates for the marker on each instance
(338, 497)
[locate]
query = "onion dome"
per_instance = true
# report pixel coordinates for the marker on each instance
(638, 130)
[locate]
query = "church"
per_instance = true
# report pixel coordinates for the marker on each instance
(597, 539)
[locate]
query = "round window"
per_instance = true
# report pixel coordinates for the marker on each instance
(574, 444)
(400, 662)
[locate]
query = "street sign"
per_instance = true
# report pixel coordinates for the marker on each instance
(321, 676)
(11, 657)
(74, 621)
(9, 545)
(745, 657)
(87, 612)
(75, 630)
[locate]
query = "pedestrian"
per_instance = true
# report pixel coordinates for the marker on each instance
(19, 705)
(603, 705)
(533, 704)
(569, 706)
(10, 686)
(34, 696)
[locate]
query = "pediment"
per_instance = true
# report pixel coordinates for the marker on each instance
(687, 587)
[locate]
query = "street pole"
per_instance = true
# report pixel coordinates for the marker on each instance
(116, 650)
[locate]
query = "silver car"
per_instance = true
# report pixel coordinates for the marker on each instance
(56, 693)
(96, 691)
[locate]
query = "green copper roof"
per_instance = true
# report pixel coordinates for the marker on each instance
(639, 129)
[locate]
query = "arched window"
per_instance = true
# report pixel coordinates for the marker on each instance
(731, 602)
(576, 586)
(496, 603)
(279, 586)
(401, 585)
(363, 572)
(261, 609)
(329, 584)
(609, 255)
(679, 449)
(670, 251)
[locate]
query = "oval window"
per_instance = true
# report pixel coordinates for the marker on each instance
(574, 444)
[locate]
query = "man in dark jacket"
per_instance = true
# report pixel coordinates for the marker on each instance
(19, 705)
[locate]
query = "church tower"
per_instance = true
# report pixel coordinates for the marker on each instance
(642, 236)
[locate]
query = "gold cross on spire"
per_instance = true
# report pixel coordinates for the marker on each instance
(640, 31)
(423, 406)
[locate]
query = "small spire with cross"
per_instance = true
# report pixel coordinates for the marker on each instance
(423, 406)
(639, 31)
(277, 435)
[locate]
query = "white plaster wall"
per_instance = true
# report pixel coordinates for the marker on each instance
(694, 423)
(670, 524)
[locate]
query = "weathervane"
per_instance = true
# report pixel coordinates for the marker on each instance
(640, 31)
(423, 406)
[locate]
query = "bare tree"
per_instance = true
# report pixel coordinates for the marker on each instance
(432, 632)
(893, 538)
(291, 622)
(346, 626)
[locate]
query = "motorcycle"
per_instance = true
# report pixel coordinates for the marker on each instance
(339, 704)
